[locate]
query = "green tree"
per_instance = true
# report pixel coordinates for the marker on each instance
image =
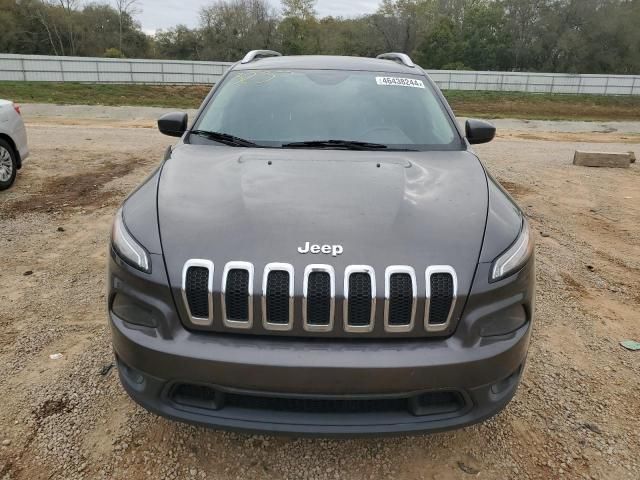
(230, 28)
(178, 42)
(126, 9)
(442, 46)
(486, 40)
(298, 30)
(303, 9)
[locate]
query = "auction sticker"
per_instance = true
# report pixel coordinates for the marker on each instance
(400, 82)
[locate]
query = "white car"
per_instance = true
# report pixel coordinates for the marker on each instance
(13, 143)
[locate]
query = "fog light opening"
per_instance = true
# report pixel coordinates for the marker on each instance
(197, 396)
(437, 403)
(133, 377)
(132, 312)
(508, 383)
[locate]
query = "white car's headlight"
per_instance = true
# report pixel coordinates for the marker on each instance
(516, 255)
(126, 246)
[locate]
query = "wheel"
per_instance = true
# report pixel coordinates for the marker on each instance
(8, 166)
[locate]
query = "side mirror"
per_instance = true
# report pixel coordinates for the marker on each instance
(479, 131)
(173, 124)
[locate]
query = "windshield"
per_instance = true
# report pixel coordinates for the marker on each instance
(277, 108)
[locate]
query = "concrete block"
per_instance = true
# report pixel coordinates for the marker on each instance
(602, 159)
(633, 157)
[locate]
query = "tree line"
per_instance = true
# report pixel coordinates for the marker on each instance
(574, 36)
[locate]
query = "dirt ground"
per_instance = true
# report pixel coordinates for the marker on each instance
(575, 415)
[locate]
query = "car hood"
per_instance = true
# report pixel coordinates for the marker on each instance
(383, 208)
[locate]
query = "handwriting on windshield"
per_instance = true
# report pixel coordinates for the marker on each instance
(256, 77)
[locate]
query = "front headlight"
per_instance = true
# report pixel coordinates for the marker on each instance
(516, 255)
(127, 247)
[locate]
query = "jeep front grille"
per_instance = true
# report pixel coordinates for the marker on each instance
(280, 312)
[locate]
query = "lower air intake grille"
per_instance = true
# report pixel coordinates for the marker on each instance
(441, 298)
(431, 403)
(278, 297)
(237, 295)
(400, 299)
(359, 310)
(319, 298)
(297, 405)
(197, 291)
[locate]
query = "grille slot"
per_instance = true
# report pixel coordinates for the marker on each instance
(359, 299)
(277, 296)
(441, 298)
(237, 292)
(400, 295)
(198, 291)
(318, 298)
(237, 295)
(197, 286)
(400, 299)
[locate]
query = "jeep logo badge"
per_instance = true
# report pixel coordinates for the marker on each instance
(334, 250)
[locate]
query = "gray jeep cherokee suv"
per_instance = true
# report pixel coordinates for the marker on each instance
(322, 253)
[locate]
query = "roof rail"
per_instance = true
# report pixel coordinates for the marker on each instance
(402, 58)
(257, 54)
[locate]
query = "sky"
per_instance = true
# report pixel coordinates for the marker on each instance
(164, 14)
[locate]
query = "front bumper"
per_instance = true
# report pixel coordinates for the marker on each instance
(325, 387)
(20, 139)
(485, 377)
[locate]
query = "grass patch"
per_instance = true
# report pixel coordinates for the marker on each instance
(464, 103)
(535, 106)
(169, 96)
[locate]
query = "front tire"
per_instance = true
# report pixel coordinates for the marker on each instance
(8, 165)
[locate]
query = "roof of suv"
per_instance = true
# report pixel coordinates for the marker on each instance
(321, 62)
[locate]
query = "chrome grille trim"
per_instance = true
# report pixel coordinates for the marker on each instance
(439, 328)
(277, 267)
(309, 269)
(387, 297)
(247, 324)
(202, 322)
(345, 310)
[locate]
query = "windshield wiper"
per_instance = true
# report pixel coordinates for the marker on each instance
(225, 138)
(346, 144)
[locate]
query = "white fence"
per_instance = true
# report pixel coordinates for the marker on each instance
(537, 82)
(40, 68)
